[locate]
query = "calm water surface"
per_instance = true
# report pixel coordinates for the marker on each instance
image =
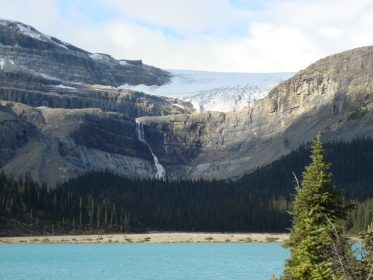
(142, 261)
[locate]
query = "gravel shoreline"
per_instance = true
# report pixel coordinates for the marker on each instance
(161, 237)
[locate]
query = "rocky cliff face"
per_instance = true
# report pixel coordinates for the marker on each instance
(39, 70)
(57, 144)
(62, 113)
(24, 49)
(36, 92)
(333, 96)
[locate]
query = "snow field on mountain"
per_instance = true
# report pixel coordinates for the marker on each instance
(216, 91)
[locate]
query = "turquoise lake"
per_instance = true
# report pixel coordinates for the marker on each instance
(254, 261)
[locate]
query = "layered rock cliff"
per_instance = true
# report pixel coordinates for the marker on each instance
(333, 96)
(63, 112)
(25, 49)
(36, 92)
(39, 70)
(56, 144)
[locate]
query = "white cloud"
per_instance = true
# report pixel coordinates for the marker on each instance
(40, 13)
(268, 48)
(283, 35)
(330, 32)
(189, 17)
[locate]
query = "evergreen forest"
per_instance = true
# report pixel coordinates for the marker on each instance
(103, 202)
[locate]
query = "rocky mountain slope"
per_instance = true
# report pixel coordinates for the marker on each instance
(56, 144)
(333, 96)
(62, 114)
(39, 70)
(24, 49)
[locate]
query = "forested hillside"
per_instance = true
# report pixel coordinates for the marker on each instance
(105, 202)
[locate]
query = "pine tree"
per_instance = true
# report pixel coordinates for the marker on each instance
(317, 208)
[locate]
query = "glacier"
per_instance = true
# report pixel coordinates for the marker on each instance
(216, 91)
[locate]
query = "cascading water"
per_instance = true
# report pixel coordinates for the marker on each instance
(161, 172)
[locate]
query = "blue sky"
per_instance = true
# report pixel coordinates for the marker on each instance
(215, 35)
(92, 10)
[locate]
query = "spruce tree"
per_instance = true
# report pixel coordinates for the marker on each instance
(318, 206)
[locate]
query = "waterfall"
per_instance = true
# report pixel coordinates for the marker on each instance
(161, 172)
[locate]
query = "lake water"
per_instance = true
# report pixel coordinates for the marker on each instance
(142, 261)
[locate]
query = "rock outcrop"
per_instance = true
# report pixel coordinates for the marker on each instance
(56, 144)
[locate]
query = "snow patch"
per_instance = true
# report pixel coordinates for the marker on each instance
(143, 88)
(64, 87)
(96, 56)
(45, 76)
(99, 87)
(29, 32)
(33, 33)
(123, 62)
(5, 63)
(179, 106)
(54, 42)
(43, 108)
(100, 56)
(3, 22)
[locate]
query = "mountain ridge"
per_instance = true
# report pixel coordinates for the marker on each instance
(83, 66)
(57, 130)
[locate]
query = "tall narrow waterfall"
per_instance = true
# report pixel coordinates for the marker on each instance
(161, 172)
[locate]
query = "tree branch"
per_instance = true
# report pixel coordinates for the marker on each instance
(341, 257)
(370, 276)
(296, 180)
